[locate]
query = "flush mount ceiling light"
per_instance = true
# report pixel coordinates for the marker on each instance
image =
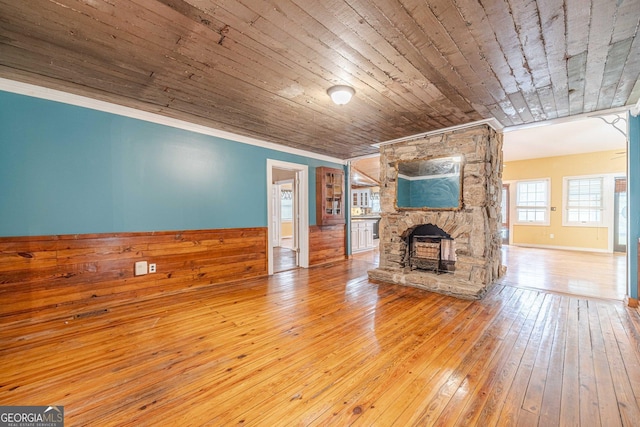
(341, 94)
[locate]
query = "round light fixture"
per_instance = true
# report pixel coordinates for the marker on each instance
(341, 94)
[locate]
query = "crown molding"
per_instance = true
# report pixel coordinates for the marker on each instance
(492, 123)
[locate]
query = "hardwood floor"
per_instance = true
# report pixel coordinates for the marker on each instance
(283, 259)
(325, 347)
(598, 275)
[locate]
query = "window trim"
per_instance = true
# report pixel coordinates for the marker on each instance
(607, 180)
(547, 207)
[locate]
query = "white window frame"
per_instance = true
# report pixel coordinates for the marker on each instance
(546, 207)
(289, 205)
(608, 181)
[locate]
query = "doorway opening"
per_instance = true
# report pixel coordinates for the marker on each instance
(285, 238)
(542, 264)
(288, 214)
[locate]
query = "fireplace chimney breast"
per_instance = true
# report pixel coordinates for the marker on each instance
(472, 227)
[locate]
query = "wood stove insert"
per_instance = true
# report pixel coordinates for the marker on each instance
(429, 248)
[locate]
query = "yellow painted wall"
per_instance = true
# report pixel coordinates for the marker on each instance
(286, 229)
(556, 168)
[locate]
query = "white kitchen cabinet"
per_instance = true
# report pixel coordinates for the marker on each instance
(361, 198)
(362, 235)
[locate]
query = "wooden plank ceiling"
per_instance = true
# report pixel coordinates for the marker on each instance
(365, 172)
(262, 68)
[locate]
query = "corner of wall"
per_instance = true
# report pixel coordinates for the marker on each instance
(633, 176)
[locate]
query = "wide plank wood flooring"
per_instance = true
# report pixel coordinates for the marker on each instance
(599, 275)
(324, 347)
(283, 259)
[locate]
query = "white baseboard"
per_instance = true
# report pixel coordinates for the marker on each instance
(561, 248)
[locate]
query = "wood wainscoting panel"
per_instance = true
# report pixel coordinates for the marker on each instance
(76, 275)
(326, 244)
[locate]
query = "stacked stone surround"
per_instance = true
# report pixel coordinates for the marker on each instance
(475, 227)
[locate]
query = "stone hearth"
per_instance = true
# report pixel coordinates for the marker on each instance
(474, 227)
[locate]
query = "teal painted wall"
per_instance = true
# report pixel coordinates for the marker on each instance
(67, 170)
(633, 174)
(435, 192)
(403, 192)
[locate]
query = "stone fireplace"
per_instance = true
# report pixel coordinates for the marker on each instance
(453, 250)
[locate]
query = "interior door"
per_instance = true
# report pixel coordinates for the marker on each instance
(275, 214)
(504, 229)
(620, 216)
(297, 214)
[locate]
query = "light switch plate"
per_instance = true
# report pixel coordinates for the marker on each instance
(141, 268)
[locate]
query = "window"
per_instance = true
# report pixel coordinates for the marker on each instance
(375, 202)
(583, 200)
(532, 202)
(286, 205)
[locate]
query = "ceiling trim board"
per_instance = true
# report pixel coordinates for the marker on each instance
(368, 156)
(593, 114)
(493, 123)
(35, 91)
(635, 110)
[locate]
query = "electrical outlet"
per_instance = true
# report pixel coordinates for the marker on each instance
(141, 268)
(551, 236)
(152, 268)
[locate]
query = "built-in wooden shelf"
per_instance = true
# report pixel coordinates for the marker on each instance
(330, 202)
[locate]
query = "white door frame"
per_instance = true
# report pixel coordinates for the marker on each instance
(302, 217)
(275, 218)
